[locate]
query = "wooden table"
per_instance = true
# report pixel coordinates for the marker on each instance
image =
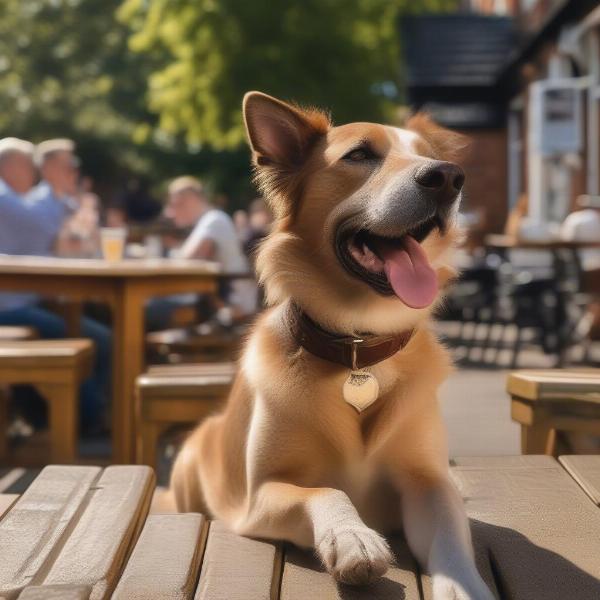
(504, 243)
(568, 276)
(80, 532)
(125, 286)
(498, 240)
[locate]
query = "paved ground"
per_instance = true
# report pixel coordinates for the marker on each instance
(475, 406)
(477, 413)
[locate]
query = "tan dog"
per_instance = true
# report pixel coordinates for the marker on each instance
(365, 223)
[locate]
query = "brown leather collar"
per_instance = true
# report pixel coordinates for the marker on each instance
(351, 352)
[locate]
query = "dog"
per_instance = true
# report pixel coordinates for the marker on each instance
(332, 434)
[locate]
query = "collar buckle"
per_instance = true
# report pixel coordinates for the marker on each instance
(355, 344)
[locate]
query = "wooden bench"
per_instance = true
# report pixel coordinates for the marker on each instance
(194, 345)
(10, 333)
(552, 400)
(56, 368)
(173, 394)
(79, 532)
(15, 333)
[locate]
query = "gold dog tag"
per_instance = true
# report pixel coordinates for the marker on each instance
(361, 388)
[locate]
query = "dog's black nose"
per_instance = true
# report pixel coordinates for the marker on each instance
(445, 179)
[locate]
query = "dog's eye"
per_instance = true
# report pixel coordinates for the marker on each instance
(359, 154)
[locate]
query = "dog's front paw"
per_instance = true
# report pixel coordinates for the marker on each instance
(355, 555)
(445, 588)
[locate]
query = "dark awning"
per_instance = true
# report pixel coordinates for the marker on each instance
(456, 50)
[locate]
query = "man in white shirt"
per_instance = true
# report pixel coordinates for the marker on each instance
(213, 237)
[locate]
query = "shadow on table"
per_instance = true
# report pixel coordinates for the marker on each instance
(304, 576)
(513, 566)
(518, 569)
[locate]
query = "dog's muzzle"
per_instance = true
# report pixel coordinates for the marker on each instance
(417, 204)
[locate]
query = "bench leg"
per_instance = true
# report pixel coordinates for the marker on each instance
(539, 438)
(63, 416)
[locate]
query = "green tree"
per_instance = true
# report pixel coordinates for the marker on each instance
(341, 54)
(65, 70)
(153, 88)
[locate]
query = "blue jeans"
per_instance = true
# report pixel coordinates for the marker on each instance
(95, 391)
(159, 312)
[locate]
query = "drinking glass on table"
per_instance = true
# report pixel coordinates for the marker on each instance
(112, 240)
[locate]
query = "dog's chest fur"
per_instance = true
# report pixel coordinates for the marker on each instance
(276, 367)
(293, 386)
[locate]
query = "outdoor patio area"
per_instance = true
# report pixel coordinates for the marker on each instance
(299, 300)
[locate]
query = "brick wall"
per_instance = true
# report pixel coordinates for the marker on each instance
(486, 189)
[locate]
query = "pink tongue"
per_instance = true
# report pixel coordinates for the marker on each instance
(411, 276)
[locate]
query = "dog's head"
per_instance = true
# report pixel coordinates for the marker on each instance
(365, 214)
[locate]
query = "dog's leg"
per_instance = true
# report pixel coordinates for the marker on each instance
(438, 534)
(185, 475)
(320, 517)
(433, 515)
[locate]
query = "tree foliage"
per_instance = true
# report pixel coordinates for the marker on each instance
(341, 54)
(65, 70)
(154, 87)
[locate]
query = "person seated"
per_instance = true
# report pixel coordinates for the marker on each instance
(516, 216)
(29, 225)
(20, 219)
(59, 170)
(213, 237)
(260, 220)
(583, 225)
(80, 235)
(241, 222)
(59, 188)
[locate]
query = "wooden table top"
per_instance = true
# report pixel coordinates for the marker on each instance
(496, 240)
(164, 267)
(80, 532)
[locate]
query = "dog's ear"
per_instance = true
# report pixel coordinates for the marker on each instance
(446, 144)
(280, 134)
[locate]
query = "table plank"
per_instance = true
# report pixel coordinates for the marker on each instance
(305, 577)
(35, 524)
(499, 240)
(219, 368)
(98, 545)
(553, 384)
(237, 568)
(165, 562)
(6, 501)
(55, 592)
(585, 470)
(165, 267)
(538, 527)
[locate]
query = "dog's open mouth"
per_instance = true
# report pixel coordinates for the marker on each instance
(392, 265)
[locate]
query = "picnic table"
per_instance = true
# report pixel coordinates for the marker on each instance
(567, 276)
(79, 532)
(125, 286)
(500, 240)
(564, 253)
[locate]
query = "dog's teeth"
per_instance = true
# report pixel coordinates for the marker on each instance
(368, 252)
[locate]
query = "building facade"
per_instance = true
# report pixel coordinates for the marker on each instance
(522, 79)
